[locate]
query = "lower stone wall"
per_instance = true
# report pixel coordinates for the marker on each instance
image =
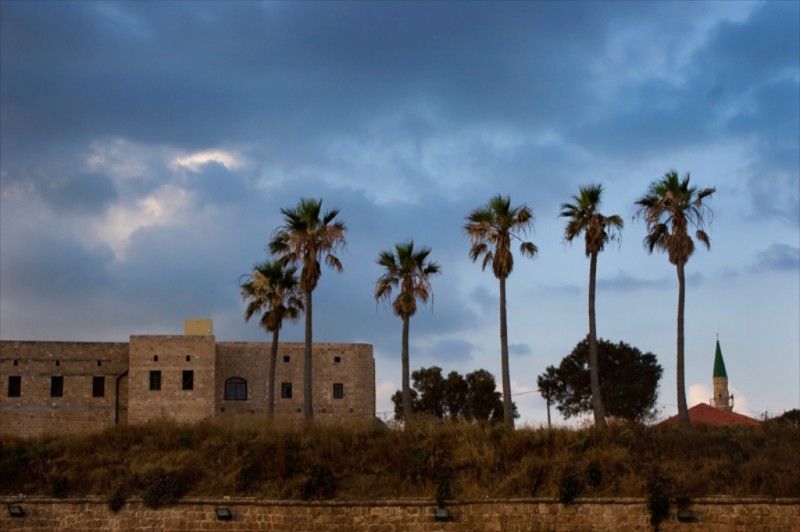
(92, 514)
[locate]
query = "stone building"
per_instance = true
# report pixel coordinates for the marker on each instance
(73, 387)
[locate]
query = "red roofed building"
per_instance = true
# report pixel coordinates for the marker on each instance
(708, 415)
(722, 413)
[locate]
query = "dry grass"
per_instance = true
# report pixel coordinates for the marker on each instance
(163, 461)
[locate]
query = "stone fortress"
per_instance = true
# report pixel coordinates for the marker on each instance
(74, 387)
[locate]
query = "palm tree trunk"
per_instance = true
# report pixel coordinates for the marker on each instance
(508, 409)
(594, 372)
(406, 384)
(683, 411)
(308, 390)
(273, 357)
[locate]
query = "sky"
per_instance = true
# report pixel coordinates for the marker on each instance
(146, 150)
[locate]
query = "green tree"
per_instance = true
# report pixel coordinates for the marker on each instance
(272, 291)
(669, 208)
(547, 383)
(628, 381)
(583, 216)
(472, 398)
(491, 229)
(408, 271)
(305, 237)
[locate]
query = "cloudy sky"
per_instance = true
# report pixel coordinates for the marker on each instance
(146, 149)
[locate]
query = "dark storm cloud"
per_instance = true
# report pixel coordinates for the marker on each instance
(778, 257)
(87, 193)
(51, 268)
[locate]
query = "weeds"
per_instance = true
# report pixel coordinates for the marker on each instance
(439, 461)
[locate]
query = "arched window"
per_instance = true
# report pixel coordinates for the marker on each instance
(236, 389)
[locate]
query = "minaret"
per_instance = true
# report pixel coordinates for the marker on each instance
(722, 399)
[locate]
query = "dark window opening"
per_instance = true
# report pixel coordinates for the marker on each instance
(155, 358)
(188, 380)
(16, 362)
(58, 362)
(188, 358)
(338, 390)
(57, 386)
(155, 380)
(235, 389)
(286, 390)
(286, 359)
(98, 386)
(14, 386)
(99, 363)
(336, 360)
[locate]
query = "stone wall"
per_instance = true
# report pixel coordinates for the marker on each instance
(351, 366)
(92, 514)
(172, 357)
(127, 397)
(81, 407)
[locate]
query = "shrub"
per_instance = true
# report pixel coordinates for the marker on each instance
(162, 488)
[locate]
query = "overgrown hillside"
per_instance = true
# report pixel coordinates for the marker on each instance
(163, 462)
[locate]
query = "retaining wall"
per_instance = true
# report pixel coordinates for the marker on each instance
(92, 514)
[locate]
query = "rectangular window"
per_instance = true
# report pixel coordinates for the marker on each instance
(155, 380)
(188, 380)
(286, 390)
(14, 386)
(56, 386)
(338, 390)
(98, 386)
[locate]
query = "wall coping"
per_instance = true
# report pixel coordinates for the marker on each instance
(411, 502)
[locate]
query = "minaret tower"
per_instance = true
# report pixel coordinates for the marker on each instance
(722, 399)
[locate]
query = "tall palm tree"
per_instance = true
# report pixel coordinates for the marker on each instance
(583, 216)
(272, 291)
(668, 209)
(307, 236)
(491, 229)
(409, 271)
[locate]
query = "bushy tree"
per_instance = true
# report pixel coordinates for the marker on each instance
(628, 381)
(473, 397)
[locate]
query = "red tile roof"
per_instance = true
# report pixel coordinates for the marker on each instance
(708, 415)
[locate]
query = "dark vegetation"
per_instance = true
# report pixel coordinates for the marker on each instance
(435, 460)
(456, 397)
(628, 381)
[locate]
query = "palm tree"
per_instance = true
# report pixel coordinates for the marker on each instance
(409, 271)
(491, 228)
(304, 238)
(583, 217)
(273, 292)
(668, 208)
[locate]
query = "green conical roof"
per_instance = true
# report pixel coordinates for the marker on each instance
(719, 364)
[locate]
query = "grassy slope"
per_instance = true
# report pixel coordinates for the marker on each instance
(431, 460)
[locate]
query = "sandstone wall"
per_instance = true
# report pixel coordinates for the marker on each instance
(350, 366)
(36, 410)
(128, 398)
(171, 356)
(92, 514)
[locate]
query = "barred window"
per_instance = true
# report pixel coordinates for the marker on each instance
(286, 390)
(235, 389)
(155, 380)
(338, 390)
